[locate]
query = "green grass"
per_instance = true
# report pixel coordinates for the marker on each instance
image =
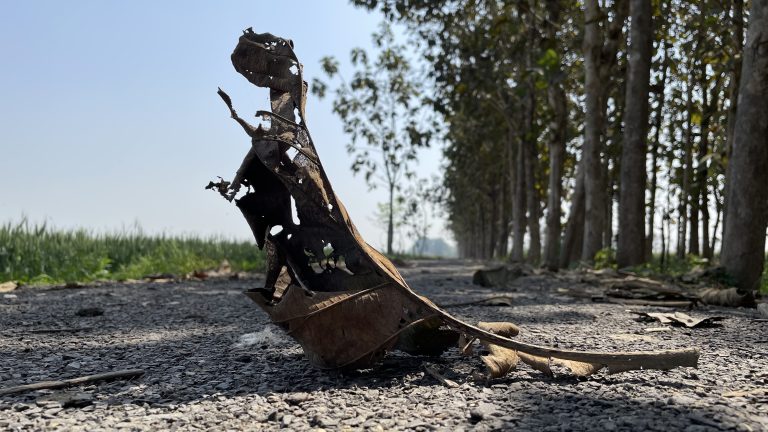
(38, 254)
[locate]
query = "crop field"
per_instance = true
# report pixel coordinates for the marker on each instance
(39, 254)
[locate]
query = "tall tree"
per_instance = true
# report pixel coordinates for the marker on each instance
(558, 135)
(687, 166)
(632, 198)
(743, 252)
(594, 191)
(737, 47)
(660, 91)
(601, 43)
(379, 109)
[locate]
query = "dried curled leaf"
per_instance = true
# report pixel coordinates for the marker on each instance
(541, 364)
(680, 319)
(344, 302)
(578, 368)
(499, 361)
(506, 329)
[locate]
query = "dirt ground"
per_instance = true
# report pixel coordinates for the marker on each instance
(212, 361)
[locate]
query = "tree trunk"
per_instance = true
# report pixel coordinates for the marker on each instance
(594, 188)
(574, 231)
(702, 173)
(659, 122)
(503, 236)
(693, 221)
(556, 145)
(391, 219)
(687, 173)
(718, 215)
(518, 207)
(744, 240)
(733, 86)
(533, 201)
(704, 208)
(534, 206)
(664, 242)
(633, 156)
(557, 141)
(610, 194)
(494, 223)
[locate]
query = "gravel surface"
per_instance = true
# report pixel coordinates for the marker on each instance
(213, 361)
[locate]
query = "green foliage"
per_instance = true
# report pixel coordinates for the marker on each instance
(605, 258)
(764, 279)
(672, 266)
(382, 113)
(39, 254)
(549, 59)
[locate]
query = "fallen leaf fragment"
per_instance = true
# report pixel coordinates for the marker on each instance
(506, 329)
(8, 286)
(746, 393)
(541, 364)
(730, 297)
(500, 361)
(579, 368)
(680, 319)
(629, 337)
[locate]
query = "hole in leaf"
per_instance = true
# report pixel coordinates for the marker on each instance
(294, 213)
(263, 122)
(328, 249)
(277, 229)
(341, 264)
(316, 267)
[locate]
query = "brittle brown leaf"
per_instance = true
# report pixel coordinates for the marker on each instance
(506, 329)
(342, 300)
(541, 364)
(500, 361)
(578, 368)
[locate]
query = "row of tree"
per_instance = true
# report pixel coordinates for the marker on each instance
(649, 117)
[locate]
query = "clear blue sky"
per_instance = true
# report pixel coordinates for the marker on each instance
(109, 114)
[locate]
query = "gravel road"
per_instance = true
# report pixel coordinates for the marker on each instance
(213, 362)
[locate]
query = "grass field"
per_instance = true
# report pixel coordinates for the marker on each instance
(39, 254)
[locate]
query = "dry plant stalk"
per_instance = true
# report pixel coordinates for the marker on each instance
(343, 301)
